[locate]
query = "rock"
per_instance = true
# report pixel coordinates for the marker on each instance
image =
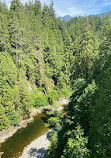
(38, 148)
(63, 101)
(1, 153)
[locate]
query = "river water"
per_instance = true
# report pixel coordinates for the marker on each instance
(14, 145)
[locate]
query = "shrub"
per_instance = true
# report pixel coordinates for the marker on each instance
(54, 95)
(65, 93)
(13, 119)
(39, 98)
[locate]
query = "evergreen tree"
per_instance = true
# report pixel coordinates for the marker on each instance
(100, 134)
(4, 33)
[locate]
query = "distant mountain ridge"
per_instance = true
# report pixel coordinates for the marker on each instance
(68, 17)
(102, 14)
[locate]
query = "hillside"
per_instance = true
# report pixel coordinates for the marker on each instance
(66, 18)
(44, 58)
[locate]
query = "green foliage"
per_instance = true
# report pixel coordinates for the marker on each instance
(15, 5)
(55, 115)
(76, 144)
(7, 82)
(4, 122)
(52, 96)
(57, 58)
(25, 98)
(100, 113)
(65, 92)
(54, 140)
(4, 32)
(39, 98)
(13, 119)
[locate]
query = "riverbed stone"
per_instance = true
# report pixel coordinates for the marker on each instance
(38, 148)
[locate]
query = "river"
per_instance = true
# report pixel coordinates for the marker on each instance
(13, 146)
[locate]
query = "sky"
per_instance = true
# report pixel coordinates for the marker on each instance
(76, 7)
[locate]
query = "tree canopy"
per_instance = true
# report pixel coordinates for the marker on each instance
(43, 58)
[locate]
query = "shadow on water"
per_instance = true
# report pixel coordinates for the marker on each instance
(44, 119)
(14, 146)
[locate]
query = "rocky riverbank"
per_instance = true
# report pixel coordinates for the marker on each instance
(38, 148)
(5, 134)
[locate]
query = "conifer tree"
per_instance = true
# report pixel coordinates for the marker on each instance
(4, 32)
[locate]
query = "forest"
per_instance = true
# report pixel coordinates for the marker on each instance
(43, 58)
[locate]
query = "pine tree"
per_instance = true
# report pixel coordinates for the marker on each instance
(100, 123)
(4, 33)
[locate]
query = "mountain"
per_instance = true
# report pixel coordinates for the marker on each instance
(102, 14)
(66, 18)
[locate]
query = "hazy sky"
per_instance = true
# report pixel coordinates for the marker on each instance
(76, 7)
